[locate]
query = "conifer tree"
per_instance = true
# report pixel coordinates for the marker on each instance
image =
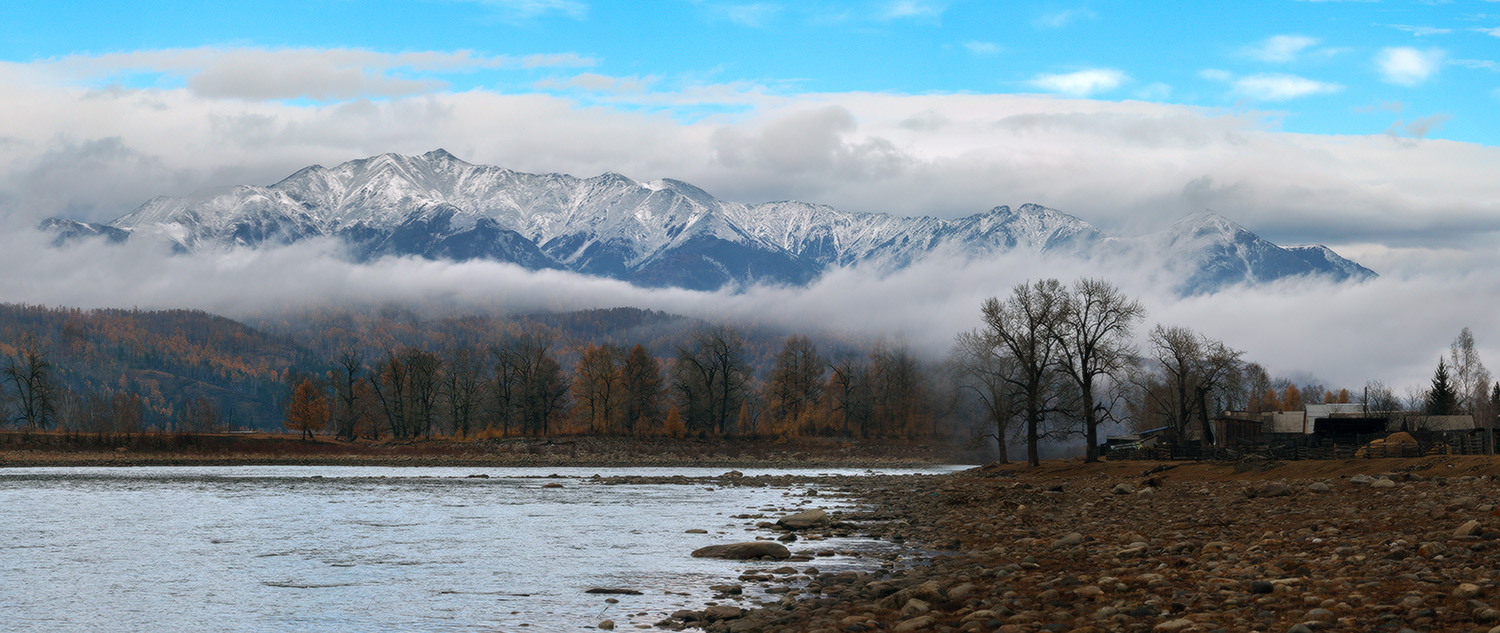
(1441, 399)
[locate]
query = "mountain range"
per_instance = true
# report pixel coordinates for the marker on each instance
(663, 233)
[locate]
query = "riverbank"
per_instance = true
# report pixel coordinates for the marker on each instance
(1370, 545)
(56, 449)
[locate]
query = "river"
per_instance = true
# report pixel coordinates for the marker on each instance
(325, 549)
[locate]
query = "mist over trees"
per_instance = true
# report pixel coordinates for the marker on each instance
(1052, 364)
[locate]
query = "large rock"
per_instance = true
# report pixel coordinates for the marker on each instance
(803, 520)
(745, 551)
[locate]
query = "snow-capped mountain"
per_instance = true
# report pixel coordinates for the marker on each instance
(660, 233)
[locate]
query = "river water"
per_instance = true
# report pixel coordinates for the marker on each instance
(335, 549)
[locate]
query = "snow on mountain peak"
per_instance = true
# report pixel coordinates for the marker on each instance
(664, 232)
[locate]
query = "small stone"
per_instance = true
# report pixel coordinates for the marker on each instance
(1261, 586)
(1122, 489)
(1320, 615)
(1466, 590)
(1299, 627)
(696, 531)
(1471, 528)
(608, 625)
(1318, 486)
(1174, 625)
(915, 624)
(1361, 480)
(1383, 483)
(1068, 540)
(1145, 493)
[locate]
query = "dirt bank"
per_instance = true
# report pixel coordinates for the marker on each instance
(56, 449)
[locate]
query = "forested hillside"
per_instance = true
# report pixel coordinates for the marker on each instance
(397, 372)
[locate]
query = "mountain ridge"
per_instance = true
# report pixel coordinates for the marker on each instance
(662, 233)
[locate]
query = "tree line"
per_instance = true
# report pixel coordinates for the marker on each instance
(1054, 362)
(706, 387)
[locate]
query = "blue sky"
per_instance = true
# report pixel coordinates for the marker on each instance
(1369, 127)
(1410, 68)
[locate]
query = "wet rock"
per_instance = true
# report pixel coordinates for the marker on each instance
(803, 520)
(744, 551)
(618, 591)
(696, 531)
(608, 625)
(722, 612)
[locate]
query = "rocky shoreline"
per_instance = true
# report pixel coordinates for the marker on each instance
(1363, 545)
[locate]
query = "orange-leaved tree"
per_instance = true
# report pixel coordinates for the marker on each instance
(308, 410)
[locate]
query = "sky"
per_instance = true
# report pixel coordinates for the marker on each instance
(1370, 127)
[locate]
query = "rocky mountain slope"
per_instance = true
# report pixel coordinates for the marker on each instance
(664, 233)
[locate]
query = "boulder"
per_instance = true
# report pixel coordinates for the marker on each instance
(745, 551)
(1361, 480)
(803, 520)
(722, 612)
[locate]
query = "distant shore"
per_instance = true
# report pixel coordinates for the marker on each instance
(54, 449)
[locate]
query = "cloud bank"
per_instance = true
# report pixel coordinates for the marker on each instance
(1391, 329)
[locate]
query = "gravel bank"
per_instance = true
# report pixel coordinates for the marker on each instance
(1379, 545)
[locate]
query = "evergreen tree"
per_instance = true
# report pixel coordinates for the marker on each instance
(1441, 399)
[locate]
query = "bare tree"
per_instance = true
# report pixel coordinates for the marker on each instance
(711, 376)
(34, 393)
(849, 392)
(1020, 328)
(1093, 332)
(979, 372)
(351, 363)
(462, 383)
(796, 382)
(1471, 380)
(1194, 367)
(641, 382)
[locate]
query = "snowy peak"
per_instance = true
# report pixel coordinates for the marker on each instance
(660, 233)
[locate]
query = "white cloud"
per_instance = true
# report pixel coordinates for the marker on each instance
(528, 9)
(1281, 48)
(906, 9)
(982, 48)
(297, 73)
(1406, 66)
(1281, 87)
(1082, 83)
(97, 153)
(1155, 91)
(1421, 31)
(598, 83)
(1059, 19)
